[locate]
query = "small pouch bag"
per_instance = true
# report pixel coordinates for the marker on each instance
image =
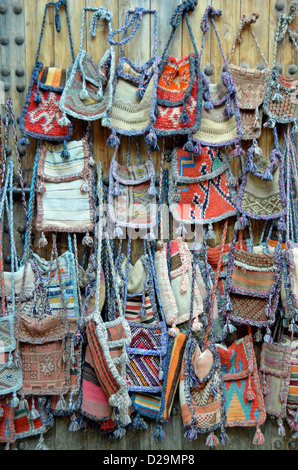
(41, 116)
(88, 91)
(179, 89)
(132, 195)
(244, 402)
(250, 85)
(280, 101)
(64, 188)
(134, 88)
(262, 191)
(201, 187)
(32, 419)
(221, 120)
(275, 372)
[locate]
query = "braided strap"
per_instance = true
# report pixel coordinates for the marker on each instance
(57, 6)
(185, 7)
(137, 15)
(212, 13)
(99, 15)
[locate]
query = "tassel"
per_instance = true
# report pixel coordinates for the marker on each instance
(223, 437)
(160, 374)
(85, 187)
(151, 141)
(23, 405)
(184, 118)
(213, 390)
(281, 430)
(64, 121)
(14, 401)
(33, 414)
(37, 98)
(7, 447)
(183, 288)
(113, 140)
(75, 424)
(41, 444)
(118, 433)
(159, 433)
(295, 435)
(229, 328)
(173, 331)
(61, 405)
(10, 363)
(99, 95)
(24, 141)
(208, 105)
(152, 189)
(118, 232)
(40, 189)
(258, 437)
(106, 121)
(91, 161)
(84, 95)
(250, 394)
(212, 440)
(295, 129)
(139, 423)
(196, 326)
(258, 337)
(87, 240)
(191, 434)
(264, 385)
(270, 123)
(296, 417)
(268, 337)
(1, 412)
(188, 146)
(42, 242)
(197, 149)
(210, 234)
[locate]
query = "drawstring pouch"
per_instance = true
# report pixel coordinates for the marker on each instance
(88, 91)
(250, 84)
(41, 116)
(179, 89)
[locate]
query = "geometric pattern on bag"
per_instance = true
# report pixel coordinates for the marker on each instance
(25, 425)
(7, 429)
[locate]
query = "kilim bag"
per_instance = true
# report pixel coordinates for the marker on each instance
(132, 196)
(201, 187)
(253, 288)
(41, 115)
(88, 91)
(275, 372)
(64, 188)
(27, 426)
(244, 402)
(250, 84)
(262, 192)
(179, 89)
(280, 101)
(221, 120)
(7, 429)
(134, 95)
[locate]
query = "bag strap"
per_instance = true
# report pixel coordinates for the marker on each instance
(99, 14)
(211, 13)
(180, 11)
(283, 27)
(247, 21)
(57, 5)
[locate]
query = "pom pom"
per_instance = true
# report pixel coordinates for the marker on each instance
(196, 326)
(65, 153)
(184, 118)
(42, 242)
(208, 105)
(212, 440)
(191, 434)
(106, 121)
(87, 240)
(159, 433)
(24, 141)
(173, 331)
(197, 149)
(188, 146)
(113, 140)
(258, 437)
(151, 141)
(84, 95)
(64, 121)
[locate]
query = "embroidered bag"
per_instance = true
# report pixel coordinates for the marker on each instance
(88, 91)
(221, 120)
(41, 115)
(275, 372)
(64, 188)
(262, 192)
(179, 89)
(250, 84)
(244, 402)
(253, 287)
(134, 94)
(280, 101)
(132, 195)
(201, 187)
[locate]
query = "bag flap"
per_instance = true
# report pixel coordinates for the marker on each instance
(252, 261)
(52, 79)
(29, 284)
(250, 85)
(148, 340)
(237, 359)
(39, 326)
(275, 359)
(133, 175)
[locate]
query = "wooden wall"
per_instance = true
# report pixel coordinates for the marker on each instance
(20, 23)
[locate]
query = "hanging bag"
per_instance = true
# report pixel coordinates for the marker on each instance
(179, 89)
(221, 120)
(134, 95)
(88, 91)
(250, 84)
(280, 101)
(41, 116)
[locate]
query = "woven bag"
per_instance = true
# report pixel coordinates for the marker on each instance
(7, 429)
(179, 89)
(201, 187)
(64, 188)
(134, 88)
(32, 419)
(132, 195)
(41, 116)
(275, 372)
(280, 101)
(244, 402)
(88, 91)
(221, 120)
(250, 84)
(262, 192)
(292, 399)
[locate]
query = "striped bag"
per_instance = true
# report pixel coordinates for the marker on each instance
(292, 400)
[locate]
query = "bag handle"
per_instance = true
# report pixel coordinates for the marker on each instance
(57, 6)
(247, 21)
(180, 11)
(99, 14)
(211, 13)
(283, 27)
